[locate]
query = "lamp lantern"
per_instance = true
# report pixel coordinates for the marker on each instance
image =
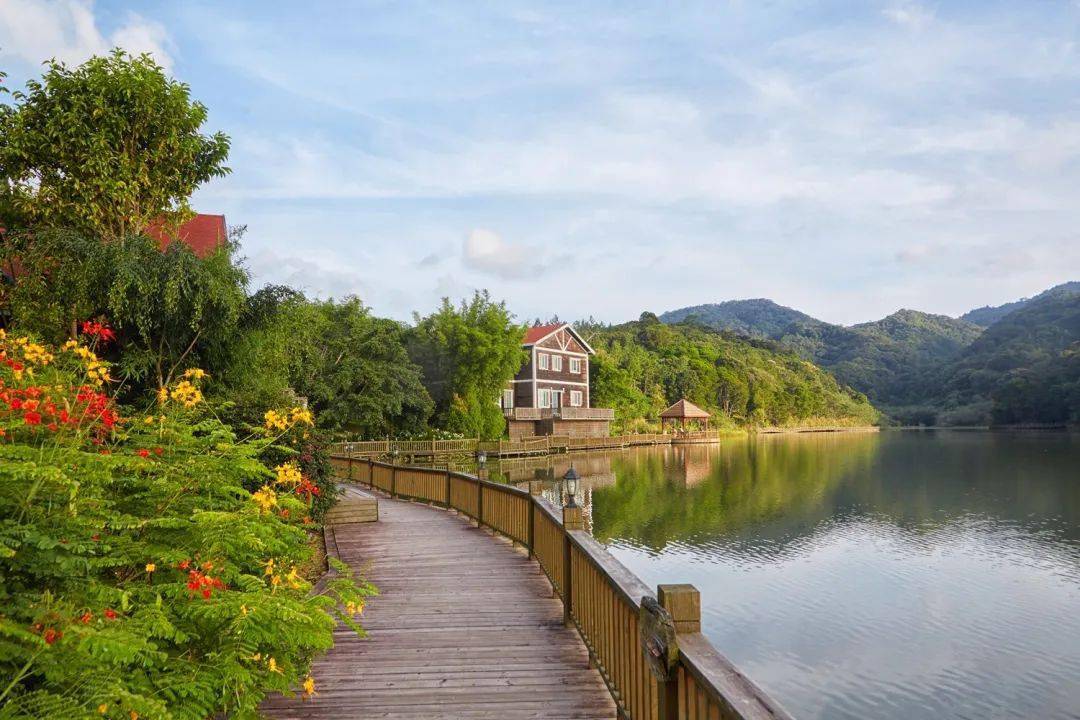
(570, 482)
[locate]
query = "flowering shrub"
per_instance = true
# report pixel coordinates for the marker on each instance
(139, 575)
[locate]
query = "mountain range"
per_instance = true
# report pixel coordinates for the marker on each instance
(1015, 363)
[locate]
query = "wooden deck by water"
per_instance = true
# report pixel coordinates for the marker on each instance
(465, 626)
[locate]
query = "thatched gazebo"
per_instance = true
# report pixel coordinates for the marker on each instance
(682, 411)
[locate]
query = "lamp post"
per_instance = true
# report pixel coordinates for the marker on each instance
(570, 483)
(481, 463)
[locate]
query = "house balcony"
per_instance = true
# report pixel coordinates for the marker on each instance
(563, 413)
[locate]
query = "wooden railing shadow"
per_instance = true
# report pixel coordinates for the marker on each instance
(601, 598)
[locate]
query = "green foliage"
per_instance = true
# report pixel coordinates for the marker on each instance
(888, 359)
(468, 354)
(139, 575)
(352, 367)
(641, 367)
(171, 308)
(1024, 369)
(104, 148)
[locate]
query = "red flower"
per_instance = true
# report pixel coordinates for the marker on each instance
(158, 451)
(111, 614)
(95, 537)
(86, 618)
(32, 418)
(143, 453)
(52, 636)
(98, 330)
(184, 564)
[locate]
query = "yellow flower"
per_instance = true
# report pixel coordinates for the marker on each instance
(354, 608)
(269, 567)
(294, 580)
(301, 415)
(309, 686)
(275, 580)
(102, 708)
(275, 420)
(133, 715)
(288, 474)
(265, 498)
(272, 665)
(186, 393)
(244, 610)
(196, 373)
(162, 396)
(150, 567)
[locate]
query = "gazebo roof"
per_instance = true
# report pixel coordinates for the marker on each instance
(684, 409)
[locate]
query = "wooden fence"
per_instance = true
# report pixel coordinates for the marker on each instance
(601, 598)
(541, 445)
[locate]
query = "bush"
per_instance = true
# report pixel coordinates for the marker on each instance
(139, 575)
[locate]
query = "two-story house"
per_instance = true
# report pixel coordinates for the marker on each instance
(550, 394)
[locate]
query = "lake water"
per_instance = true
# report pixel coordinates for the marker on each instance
(892, 575)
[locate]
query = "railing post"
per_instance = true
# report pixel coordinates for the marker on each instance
(448, 486)
(479, 502)
(530, 532)
(371, 472)
(572, 520)
(683, 603)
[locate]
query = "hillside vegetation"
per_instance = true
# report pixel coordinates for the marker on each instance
(888, 359)
(987, 315)
(1024, 369)
(1012, 364)
(641, 367)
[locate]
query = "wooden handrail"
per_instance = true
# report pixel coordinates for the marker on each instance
(602, 598)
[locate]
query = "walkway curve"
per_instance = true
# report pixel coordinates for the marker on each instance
(465, 626)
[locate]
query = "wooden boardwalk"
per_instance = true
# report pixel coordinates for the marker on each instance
(465, 626)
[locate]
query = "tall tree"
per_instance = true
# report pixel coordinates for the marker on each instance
(104, 148)
(468, 354)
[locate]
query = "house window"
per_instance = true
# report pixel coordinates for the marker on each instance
(507, 399)
(542, 360)
(544, 397)
(575, 398)
(575, 366)
(556, 363)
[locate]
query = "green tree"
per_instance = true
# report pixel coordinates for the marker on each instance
(104, 148)
(351, 367)
(468, 354)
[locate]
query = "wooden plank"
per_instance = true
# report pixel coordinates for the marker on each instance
(465, 627)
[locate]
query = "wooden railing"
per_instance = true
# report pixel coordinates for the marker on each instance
(522, 446)
(601, 598)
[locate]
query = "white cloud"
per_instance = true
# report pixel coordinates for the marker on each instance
(486, 251)
(38, 30)
(910, 15)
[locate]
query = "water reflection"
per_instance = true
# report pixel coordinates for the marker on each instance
(864, 575)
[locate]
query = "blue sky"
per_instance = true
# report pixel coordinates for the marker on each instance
(847, 159)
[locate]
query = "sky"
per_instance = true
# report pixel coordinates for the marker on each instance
(605, 158)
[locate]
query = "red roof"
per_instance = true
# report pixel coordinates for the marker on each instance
(203, 233)
(535, 334)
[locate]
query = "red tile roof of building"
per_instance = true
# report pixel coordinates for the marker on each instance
(203, 233)
(535, 334)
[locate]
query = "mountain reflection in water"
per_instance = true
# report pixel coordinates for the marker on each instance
(891, 575)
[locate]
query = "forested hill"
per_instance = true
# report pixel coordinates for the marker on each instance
(1025, 368)
(1015, 363)
(756, 318)
(886, 359)
(643, 366)
(987, 315)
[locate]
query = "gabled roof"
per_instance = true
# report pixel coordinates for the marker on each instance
(535, 334)
(684, 409)
(203, 233)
